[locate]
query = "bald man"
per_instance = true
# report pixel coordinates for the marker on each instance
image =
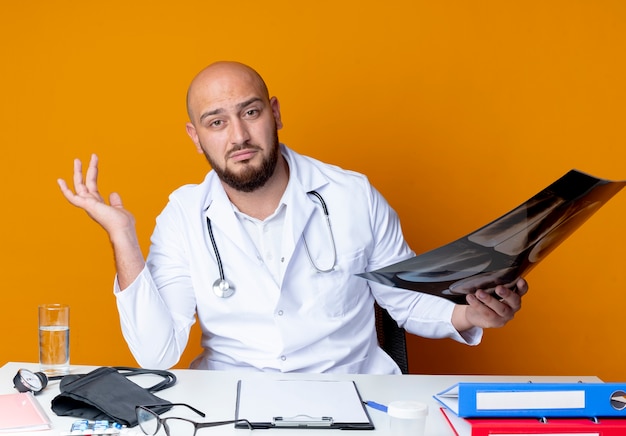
(265, 252)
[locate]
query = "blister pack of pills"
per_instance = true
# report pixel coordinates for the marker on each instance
(85, 427)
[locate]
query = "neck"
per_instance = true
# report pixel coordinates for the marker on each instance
(263, 201)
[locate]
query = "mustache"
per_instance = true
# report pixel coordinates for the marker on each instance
(245, 146)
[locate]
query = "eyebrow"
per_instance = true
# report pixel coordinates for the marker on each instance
(239, 106)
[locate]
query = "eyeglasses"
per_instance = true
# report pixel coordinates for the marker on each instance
(150, 422)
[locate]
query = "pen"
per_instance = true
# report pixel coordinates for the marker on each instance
(376, 406)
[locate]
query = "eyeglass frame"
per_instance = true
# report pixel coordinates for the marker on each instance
(162, 422)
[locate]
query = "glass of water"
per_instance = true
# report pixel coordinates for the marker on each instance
(54, 339)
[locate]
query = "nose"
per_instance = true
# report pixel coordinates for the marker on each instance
(239, 132)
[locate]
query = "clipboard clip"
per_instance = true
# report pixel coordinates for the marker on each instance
(303, 421)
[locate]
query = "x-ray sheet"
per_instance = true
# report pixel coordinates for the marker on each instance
(507, 248)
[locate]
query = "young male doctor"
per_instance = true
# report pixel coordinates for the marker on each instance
(266, 250)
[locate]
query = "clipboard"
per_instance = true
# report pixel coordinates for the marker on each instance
(314, 404)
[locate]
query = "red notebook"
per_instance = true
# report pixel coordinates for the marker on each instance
(22, 412)
(533, 426)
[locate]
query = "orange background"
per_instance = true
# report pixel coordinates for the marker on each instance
(457, 111)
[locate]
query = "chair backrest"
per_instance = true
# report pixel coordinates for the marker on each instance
(391, 338)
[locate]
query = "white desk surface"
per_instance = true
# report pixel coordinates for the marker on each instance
(214, 393)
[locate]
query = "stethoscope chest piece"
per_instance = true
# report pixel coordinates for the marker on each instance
(222, 288)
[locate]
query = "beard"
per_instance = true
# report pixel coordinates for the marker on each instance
(250, 177)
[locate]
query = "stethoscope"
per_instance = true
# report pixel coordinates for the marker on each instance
(224, 289)
(26, 380)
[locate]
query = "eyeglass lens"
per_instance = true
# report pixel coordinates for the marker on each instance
(150, 424)
(179, 427)
(148, 421)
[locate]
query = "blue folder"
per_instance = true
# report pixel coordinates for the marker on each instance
(538, 400)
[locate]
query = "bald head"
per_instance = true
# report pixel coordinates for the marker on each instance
(221, 75)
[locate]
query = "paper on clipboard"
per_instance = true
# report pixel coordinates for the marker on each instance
(302, 404)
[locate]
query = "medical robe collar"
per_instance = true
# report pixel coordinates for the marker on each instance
(300, 208)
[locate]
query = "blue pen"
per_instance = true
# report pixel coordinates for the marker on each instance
(376, 406)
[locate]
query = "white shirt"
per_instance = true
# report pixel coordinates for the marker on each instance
(267, 237)
(295, 319)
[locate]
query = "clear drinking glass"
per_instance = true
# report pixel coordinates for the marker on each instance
(54, 339)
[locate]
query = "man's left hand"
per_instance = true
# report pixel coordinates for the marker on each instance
(490, 310)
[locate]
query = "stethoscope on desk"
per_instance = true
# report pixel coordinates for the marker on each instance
(222, 287)
(26, 380)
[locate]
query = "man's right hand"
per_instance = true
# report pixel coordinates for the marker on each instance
(117, 221)
(113, 218)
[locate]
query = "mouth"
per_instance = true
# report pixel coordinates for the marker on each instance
(244, 154)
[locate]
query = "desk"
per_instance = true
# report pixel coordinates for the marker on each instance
(214, 392)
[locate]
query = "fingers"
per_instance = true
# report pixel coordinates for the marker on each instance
(91, 178)
(87, 187)
(494, 312)
(85, 190)
(90, 183)
(79, 186)
(67, 192)
(522, 287)
(509, 297)
(112, 217)
(115, 200)
(512, 297)
(479, 315)
(487, 310)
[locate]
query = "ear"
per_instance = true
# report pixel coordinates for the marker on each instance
(193, 134)
(276, 111)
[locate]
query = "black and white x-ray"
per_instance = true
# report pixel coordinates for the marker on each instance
(507, 248)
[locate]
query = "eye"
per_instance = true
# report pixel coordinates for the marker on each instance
(251, 113)
(215, 123)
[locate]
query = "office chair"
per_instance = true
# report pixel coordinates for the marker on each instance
(391, 338)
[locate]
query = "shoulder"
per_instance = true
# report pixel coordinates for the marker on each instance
(346, 190)
(196, 195)
(314, 173)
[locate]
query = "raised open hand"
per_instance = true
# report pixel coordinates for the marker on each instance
(112, 217)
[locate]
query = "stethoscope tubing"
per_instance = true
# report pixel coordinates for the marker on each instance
(224, 289)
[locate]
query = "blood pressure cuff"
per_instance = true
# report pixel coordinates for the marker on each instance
(107, 393)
